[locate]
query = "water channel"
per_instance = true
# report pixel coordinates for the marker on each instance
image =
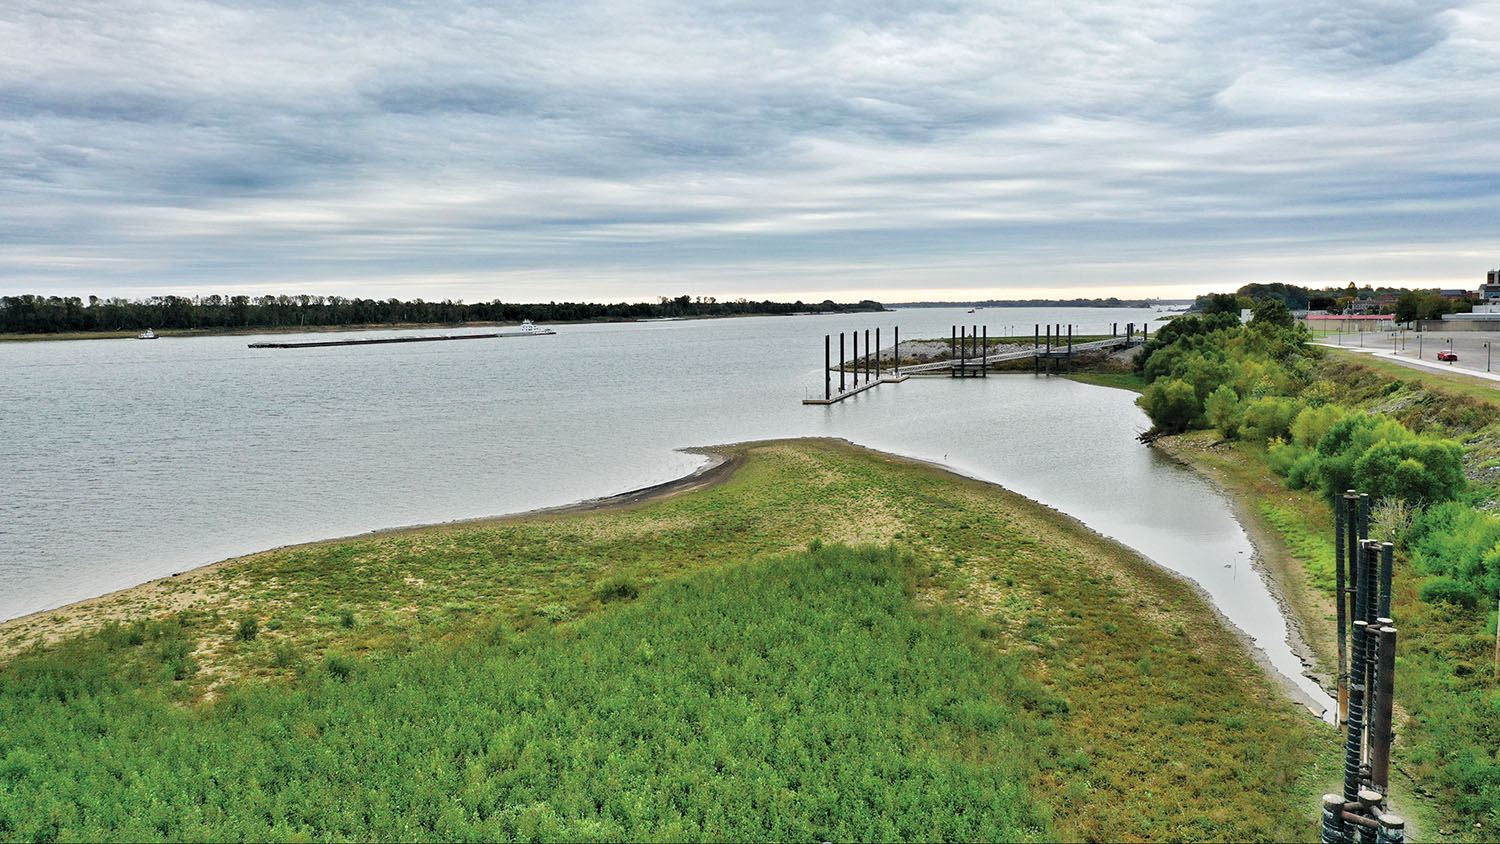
(122, 460)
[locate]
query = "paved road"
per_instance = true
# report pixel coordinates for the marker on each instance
(1419, 350)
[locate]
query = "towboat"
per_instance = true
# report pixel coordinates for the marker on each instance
(148, 334)
(529, 327)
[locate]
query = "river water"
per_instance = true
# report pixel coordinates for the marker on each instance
(122, 461)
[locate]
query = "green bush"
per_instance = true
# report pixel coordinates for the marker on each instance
(1417, 471)
(1222, 410)
(1172, 405)
(249, 629)
(1266, 419)
(1449, 591)
(338, 666)
(1313, 423)
(617, 589)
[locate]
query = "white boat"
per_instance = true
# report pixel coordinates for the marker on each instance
(529, 327)
(148, 334)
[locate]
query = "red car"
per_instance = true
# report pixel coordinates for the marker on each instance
(1448, 356)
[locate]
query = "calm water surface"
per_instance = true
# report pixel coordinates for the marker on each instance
(122, 461)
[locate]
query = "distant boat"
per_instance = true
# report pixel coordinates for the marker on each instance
(971, 310)
(529, 327)
(148, 334)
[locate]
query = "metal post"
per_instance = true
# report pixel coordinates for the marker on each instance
(841, 362)
(1369, 557)
(1351, 554)
(827, 375)
(1114, 330)
(1036, 362)
(1387, 566)
(1070, 347)
(877, 354)
(1380, 722)
(1333, 820)
(1364, 515)
(867, 355)
(1354, 737)
(952, 348)
(856, 358)
(963, 352)
(896, 350)
(984, 354)
(1340, 508)
(1392, 830)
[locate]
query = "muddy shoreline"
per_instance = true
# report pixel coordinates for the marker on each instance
(1281, 572)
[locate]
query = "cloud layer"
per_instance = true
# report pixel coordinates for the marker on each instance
(610, 151)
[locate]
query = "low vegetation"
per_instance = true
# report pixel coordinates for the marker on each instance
(788, 655)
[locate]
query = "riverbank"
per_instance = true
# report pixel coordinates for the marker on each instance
(1133, 711)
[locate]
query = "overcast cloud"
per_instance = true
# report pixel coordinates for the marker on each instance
(575, 150)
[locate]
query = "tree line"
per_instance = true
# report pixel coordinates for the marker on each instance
(1406, 305)
(31, 314)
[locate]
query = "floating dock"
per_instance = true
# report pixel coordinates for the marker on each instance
(428, 338)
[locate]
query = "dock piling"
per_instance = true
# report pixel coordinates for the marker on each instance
(856, 358)
(841, 361)
(827, 375)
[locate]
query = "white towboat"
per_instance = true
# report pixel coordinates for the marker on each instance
(148, 334)
(529, 327)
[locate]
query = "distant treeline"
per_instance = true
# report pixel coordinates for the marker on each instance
(1111, 302)
(1404, 304)
(55, 314)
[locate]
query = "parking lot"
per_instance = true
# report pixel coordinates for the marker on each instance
(1478, 351)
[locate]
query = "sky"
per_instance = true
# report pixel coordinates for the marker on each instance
(538, 151)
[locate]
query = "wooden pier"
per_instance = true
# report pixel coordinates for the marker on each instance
(426, 338)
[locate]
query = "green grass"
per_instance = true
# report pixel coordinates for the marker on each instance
(801, 698)
(1120, 380)
(978, 668)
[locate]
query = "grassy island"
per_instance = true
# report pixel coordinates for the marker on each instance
(813, 641)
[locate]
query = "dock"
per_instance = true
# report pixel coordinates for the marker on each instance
(427, 338)
(969, 357)
(872, 377)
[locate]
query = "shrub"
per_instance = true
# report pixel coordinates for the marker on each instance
(284, 655)
(1172, 405)
(1313, 423)
(1449, 591)
(1222, 410)
(617, 589)
(555, 612)
(1391, 520)
(346, 618)
(1416, 471)
(249, 629)
(338, 666)
(1267, 418)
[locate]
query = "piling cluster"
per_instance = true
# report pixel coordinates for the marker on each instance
(964, 346)
(866, 369)
(1367, 663)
